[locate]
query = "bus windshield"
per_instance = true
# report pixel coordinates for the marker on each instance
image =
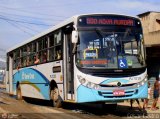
(110, 48)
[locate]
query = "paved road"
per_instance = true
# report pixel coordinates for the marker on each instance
(38, 109)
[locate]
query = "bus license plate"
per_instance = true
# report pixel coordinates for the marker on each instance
(118, 92)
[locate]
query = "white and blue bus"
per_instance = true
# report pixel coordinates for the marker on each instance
(87, 58)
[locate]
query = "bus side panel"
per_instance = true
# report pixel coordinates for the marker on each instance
(32, 82)
(39, 91)
(35, 80)
(56, 74)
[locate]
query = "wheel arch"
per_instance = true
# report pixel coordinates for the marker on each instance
(58, 101)
(53, 84)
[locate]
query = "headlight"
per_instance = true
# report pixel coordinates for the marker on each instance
(141, 82)
(81, 79)
(86, 83)
(145, 79)
(89, 85)
(96, 86)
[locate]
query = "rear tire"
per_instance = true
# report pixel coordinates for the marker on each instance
(19, 93)
(56, 98)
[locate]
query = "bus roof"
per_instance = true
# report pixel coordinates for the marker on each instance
(69, 20)
(43, 33)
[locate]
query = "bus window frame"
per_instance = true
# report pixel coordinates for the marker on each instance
(33, 52)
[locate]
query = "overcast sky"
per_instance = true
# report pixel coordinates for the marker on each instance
(22, 19)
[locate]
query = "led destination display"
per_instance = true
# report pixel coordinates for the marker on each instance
(106, 20)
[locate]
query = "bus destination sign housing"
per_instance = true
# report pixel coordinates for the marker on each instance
(108, 20)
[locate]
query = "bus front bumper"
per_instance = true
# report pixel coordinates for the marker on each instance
(85, 94)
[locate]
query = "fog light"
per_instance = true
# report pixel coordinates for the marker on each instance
(145, 79)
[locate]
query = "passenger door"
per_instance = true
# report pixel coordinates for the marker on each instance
(68, 67)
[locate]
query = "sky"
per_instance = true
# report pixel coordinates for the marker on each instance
(22, 19)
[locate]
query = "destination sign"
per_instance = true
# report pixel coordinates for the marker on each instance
(89, 62)
(106, 20)
(128, 22)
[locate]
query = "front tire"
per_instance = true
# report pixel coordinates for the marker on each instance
(56, 98)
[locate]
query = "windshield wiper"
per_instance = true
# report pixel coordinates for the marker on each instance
(99, 33)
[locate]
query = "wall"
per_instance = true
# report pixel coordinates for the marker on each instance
(154, 25)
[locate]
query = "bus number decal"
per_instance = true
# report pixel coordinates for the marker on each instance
(134, 78)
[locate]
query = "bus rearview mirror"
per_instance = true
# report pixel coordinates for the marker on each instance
(74, 37)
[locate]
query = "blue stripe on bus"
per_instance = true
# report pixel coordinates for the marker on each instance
(47, 81)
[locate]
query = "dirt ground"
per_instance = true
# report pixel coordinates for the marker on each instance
(40, 109)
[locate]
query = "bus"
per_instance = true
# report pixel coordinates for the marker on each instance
(97, 58)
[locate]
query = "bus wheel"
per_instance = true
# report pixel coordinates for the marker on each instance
(56, 98)
(19, 93)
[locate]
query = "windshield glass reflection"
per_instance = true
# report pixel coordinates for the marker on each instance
(110, 49)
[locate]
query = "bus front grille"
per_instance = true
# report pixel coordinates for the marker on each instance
(123, 85)
(107, 94)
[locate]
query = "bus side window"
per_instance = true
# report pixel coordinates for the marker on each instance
(28, 61)
(36, 59)
(58, 53)
(51, 54)
(44, 57)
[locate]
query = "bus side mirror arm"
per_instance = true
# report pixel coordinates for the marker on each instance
(74, 37)
(74, 48)
(74, 41)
